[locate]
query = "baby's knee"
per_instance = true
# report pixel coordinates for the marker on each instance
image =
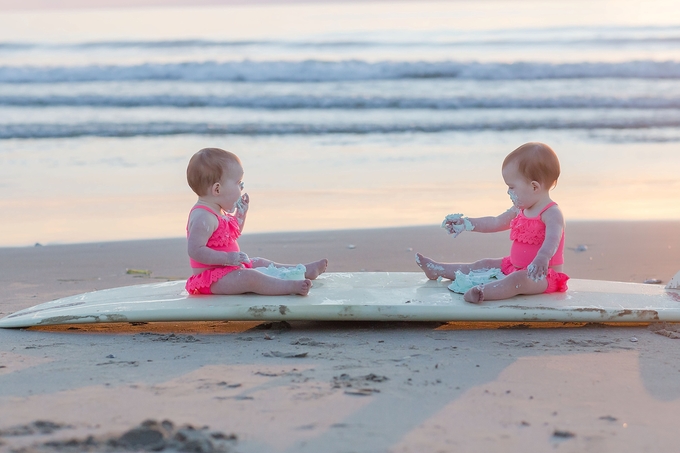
(486, 263)
(523, 283)
(517, 277)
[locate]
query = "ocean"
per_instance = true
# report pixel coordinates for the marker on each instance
(345, 115)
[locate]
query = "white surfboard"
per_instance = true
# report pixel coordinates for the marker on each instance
(365, 296)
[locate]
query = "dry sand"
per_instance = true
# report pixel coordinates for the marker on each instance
(362, 387)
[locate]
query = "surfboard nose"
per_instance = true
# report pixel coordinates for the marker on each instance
(675, 282)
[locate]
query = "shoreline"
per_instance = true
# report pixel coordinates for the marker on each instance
(618, 250)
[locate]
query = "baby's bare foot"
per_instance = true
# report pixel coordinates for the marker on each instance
(474, 295)
(303, 287)
(431, 268)
(316, 268)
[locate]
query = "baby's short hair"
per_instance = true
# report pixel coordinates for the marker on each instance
(206, 167)
(537, 162)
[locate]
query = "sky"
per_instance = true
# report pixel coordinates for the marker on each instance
(15, 5)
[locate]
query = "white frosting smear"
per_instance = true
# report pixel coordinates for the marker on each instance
(464, 282)
(284, 273)
(451, 225)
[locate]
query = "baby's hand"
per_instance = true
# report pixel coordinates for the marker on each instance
(236, 258)
(456, 224)
(537, 270)
(242, 205)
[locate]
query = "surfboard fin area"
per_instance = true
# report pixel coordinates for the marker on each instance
(675, 282)
(362, 296)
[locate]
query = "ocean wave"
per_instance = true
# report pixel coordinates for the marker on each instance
(342, 102)
(348, 70)
(42, 131)
(607, 36)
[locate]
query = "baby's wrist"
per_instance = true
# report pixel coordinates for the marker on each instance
(541, 262)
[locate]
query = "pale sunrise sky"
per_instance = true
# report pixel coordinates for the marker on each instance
(92, 4)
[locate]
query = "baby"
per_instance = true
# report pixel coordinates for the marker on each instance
(536, 228)
(219, 267)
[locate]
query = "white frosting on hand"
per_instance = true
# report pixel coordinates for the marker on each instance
(534, 274)
(240, 206)
(243, 257)
(456, 224)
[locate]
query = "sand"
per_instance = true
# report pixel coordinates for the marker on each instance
(355, 386)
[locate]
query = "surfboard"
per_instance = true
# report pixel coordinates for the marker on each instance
(364, 296)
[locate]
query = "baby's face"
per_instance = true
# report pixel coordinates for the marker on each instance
(231, 186)
(522, 192)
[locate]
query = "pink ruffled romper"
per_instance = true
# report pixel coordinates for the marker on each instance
(528, 234)
(223, 239)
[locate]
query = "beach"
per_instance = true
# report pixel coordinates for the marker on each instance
(362, 386)
(360, 125)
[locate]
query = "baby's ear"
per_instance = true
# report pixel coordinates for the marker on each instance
(215, 189)
(535, 185)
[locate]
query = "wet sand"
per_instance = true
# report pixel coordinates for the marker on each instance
(358, 386)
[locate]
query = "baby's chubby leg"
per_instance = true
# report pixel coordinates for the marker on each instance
(313, 269)
(512, 285)
(251, 281)
(434, 269)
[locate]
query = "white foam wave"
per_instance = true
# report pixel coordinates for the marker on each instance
(348, 70)
(344, 102)
(28, 130)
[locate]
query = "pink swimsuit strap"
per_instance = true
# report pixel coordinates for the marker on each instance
(550, 205)
(200, 206)
(227, 231)
(538, 217)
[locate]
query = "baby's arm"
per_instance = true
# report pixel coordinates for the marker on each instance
(202, 225)
(455, 224)
(242, 206)
(554, 226)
